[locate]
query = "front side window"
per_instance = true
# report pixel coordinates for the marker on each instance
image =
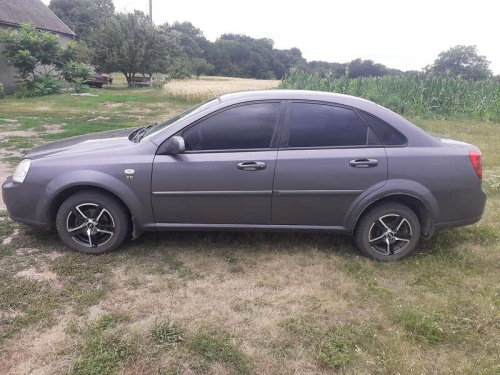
(320, 125)
(248, 126)
(190, 112)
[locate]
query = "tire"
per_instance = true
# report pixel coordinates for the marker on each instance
(92, 222)
(388, 231)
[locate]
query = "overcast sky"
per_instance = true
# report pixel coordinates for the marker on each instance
(404, 34)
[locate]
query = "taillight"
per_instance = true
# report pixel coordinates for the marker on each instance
(476, 158)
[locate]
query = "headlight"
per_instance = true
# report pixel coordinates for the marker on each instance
(21, 170)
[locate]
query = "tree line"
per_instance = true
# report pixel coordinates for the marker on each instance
(181, 50)
(129, 43)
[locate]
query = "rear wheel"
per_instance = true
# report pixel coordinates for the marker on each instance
(388, 231)
(92, 222)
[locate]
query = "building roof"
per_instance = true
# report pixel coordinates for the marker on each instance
(16, 12)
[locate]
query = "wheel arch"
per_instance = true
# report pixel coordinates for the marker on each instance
(415, 204)
(410, 193)
(58, 199)
(66, 185)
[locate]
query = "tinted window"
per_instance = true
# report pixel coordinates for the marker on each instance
(318, 125)
(387, 134)
(244, 127)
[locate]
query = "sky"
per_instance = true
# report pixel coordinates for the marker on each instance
(404, 34)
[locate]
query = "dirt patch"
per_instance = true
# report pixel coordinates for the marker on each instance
(39, 270)
(4, 152)
(37, 275)
(98, 119)
(20, 133)
(26, 251)
(52, 129)
(8, 240)
(114, 105)
(39, 352)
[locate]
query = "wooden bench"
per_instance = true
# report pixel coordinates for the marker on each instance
(142, 81)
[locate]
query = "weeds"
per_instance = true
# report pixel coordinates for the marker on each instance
(166, 333)
(335, 348)
(421, 327)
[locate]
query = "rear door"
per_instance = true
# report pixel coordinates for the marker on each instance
(328, 157)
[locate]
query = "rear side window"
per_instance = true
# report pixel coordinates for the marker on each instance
(321, 125)
(245, 127)
(386, 133)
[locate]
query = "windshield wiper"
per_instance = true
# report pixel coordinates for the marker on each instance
(139, 133)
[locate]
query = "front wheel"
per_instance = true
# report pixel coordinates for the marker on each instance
(92, 222)
(388, 231)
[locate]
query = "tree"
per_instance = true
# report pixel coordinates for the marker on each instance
(39, 59)
(83, 16)
(192, 48)
(243, 56)
(462, 61)
(366, 68)
(129, 44)
(190, 39)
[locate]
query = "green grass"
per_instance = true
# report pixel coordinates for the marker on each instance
(219, 347)
(102, 351)
(242, 303)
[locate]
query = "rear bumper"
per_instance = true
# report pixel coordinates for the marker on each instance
(459, 208)
(455, 224)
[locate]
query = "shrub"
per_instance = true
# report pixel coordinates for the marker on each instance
(77, 73)
(41, 85)
(39, 60)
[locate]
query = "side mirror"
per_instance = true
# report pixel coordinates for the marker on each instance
(173, 146)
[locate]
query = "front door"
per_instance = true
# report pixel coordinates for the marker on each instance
(226, 174)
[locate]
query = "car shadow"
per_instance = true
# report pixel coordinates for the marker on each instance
(255, 242)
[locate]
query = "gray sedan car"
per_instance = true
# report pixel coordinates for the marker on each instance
(262, 160)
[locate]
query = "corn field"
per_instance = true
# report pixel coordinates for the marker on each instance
(419, 95)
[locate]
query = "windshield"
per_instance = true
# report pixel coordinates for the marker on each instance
(190, 112)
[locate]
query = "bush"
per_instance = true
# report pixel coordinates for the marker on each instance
(77, 73)
(180, 68)
(2, 92)
(39, 60)
(41, 85)
(158, 81)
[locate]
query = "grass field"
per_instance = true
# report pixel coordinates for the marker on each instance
(239, 303)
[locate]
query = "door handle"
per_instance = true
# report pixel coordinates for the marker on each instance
(252, 166)
(363, 163)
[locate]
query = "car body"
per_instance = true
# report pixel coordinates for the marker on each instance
(260, 160)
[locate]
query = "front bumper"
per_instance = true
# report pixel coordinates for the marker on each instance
(22, 201)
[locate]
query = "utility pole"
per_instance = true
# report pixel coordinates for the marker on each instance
(151, 11)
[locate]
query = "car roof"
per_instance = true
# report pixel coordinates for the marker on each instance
(298, 95)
